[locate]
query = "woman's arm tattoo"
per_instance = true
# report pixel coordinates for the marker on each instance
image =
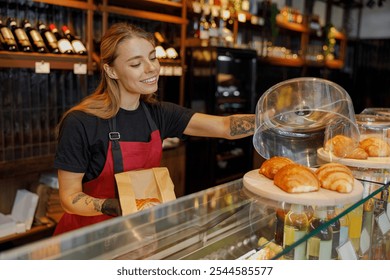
(88, 200)
(242, 125)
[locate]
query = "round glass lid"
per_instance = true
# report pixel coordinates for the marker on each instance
(295, 117)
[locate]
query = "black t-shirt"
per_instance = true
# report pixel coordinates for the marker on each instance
(83, 139)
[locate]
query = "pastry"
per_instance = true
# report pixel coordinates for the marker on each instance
(272, 165)
(357, 153)
(341, 146)
(336, 177)
(143, 203)
(296, 178)
(375, 147)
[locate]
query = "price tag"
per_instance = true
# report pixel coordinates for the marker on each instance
(388, 210)
(177, 71)
(42, 67)
(383, 223)
(162, 70)
(346, 251)
(365, 241)
(80, 68)
(168, 71)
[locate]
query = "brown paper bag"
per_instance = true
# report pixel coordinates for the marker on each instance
(141, 189)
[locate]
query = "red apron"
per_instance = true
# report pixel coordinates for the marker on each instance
(136, 155)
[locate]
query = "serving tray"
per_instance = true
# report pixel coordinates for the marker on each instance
(264, 187)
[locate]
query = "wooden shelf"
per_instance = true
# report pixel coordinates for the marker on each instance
(334, 64)
(27, 165)
(70, 4)
(28, 60)
(142, 14)
(34, 234)
(292, 62)
(291, 25)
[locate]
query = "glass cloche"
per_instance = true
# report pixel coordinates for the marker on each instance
(294, 118)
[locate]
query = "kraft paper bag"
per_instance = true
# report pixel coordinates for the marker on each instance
(141, 189)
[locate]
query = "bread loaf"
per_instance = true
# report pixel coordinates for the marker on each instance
(272, 165)
(336, 177)
(296, 178)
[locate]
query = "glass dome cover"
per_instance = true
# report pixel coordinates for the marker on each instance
(296, 117)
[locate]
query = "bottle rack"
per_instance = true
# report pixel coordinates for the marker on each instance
(256, 24)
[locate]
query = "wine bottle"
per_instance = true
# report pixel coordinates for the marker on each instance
(34, 36)
(2, 42)
(344, 224)
(48, 37)
(64, 44)
(20, 35)
(8, 41)
(77, 45)
(319, 246)
(336, 232)
(204, 33)
(309, 210)
(355, 226)
(279, 223)
(296, 226)
(213, 31)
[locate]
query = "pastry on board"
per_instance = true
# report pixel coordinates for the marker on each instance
(272, 165)
(296, 178)
(344, 146)
(375, 147)
(336, 177)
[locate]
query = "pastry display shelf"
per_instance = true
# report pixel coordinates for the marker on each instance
(223, 222)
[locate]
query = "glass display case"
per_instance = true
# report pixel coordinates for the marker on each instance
(224, 222)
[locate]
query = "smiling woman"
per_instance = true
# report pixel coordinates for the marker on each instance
(122, 124)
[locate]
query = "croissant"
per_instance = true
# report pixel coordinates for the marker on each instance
(357, 153)
(272, 165)
(336, 177)
(143, 203)
(296, 178)
(375, 147)
(341, 146)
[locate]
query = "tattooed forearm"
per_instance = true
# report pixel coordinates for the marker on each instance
(242, 125)
(97, 203)
(78, 197)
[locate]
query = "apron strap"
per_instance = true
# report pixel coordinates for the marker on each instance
(114, 136)
(152, 124)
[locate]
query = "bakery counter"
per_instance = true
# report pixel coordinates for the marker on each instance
(224, 222)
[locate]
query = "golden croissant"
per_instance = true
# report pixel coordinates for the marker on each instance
(340, 145)
(375, 147)
(336, 177)
(296, 178)
(272, 165)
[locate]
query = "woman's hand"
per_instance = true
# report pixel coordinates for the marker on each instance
(111, 207)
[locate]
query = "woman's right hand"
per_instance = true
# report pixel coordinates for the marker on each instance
(112, 207)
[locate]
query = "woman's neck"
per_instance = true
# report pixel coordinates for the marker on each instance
(130, 103)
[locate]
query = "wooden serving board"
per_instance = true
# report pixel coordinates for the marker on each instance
(264, 187)
(371, 162)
